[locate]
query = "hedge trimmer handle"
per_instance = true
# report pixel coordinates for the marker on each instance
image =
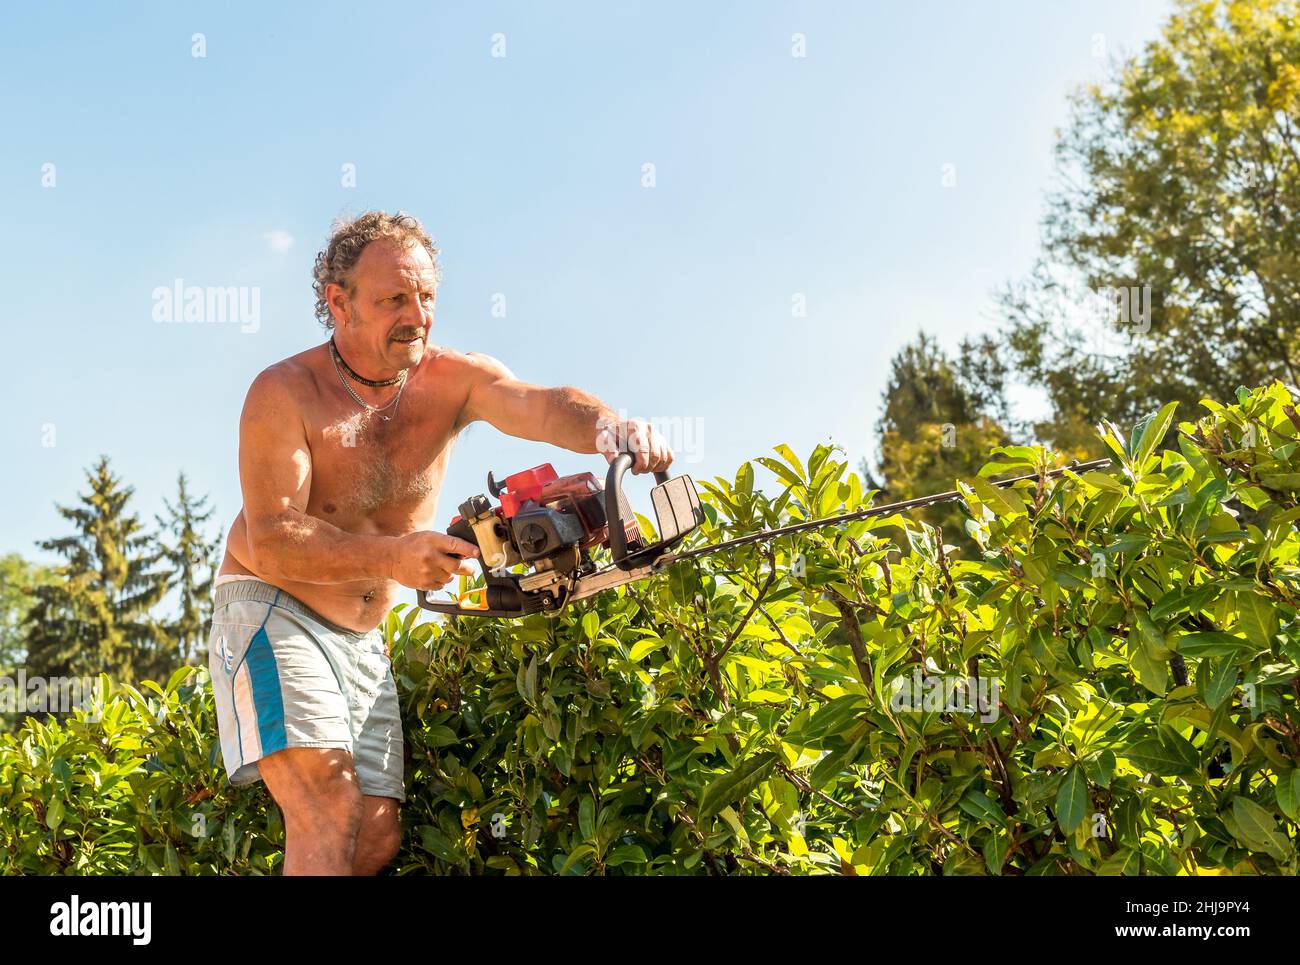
(499, 597)
(676, 505)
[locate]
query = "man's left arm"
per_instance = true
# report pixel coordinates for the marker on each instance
(564, 416)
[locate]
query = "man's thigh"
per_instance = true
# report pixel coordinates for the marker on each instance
(378, 747)
(276, 686)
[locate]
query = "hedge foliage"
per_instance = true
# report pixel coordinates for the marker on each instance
(1111, 688)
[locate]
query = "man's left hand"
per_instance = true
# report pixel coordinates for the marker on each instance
(650, 450)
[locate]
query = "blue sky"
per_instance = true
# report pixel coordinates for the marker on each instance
(775, 176)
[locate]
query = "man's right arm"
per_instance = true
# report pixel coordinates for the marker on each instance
(287, 543)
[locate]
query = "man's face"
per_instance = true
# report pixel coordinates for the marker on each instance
(389, 315)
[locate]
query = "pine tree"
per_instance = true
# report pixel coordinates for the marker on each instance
(97, 617)
(940, 419)
(192, 557)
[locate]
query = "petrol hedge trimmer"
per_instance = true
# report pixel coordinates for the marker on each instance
(551, 524)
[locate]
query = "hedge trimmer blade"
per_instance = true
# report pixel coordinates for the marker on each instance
(887, 509)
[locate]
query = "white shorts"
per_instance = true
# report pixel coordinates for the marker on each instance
(283, 676)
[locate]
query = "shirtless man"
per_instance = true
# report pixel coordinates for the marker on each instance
(342, 452)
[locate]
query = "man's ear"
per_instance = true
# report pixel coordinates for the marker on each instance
(336, 297)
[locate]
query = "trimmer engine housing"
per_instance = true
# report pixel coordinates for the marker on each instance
(550, 523)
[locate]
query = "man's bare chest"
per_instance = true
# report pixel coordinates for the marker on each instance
(366, 466)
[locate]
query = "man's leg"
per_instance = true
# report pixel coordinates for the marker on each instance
(380, 836)
(378, 752)
(316, 791)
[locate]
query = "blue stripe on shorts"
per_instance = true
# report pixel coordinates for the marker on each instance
(266, 693)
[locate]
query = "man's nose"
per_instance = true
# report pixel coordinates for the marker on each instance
(416, 315)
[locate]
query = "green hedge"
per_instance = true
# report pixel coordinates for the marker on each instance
(1111, 689)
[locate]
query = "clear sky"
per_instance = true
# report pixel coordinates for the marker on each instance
(127, 163)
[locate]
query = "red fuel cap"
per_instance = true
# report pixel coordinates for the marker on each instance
(526, 485)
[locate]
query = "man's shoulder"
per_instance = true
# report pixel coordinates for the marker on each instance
(467, 372)
(287, 380)
(472, 365)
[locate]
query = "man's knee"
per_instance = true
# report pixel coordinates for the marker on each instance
(374, 855)
(315, 788)
(380, 836)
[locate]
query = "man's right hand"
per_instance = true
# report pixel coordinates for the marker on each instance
(429, 561)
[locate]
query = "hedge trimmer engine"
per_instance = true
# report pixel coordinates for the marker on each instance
(543, 520)
(551, 523)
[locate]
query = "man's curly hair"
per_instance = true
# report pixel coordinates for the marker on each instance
(348, 238)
